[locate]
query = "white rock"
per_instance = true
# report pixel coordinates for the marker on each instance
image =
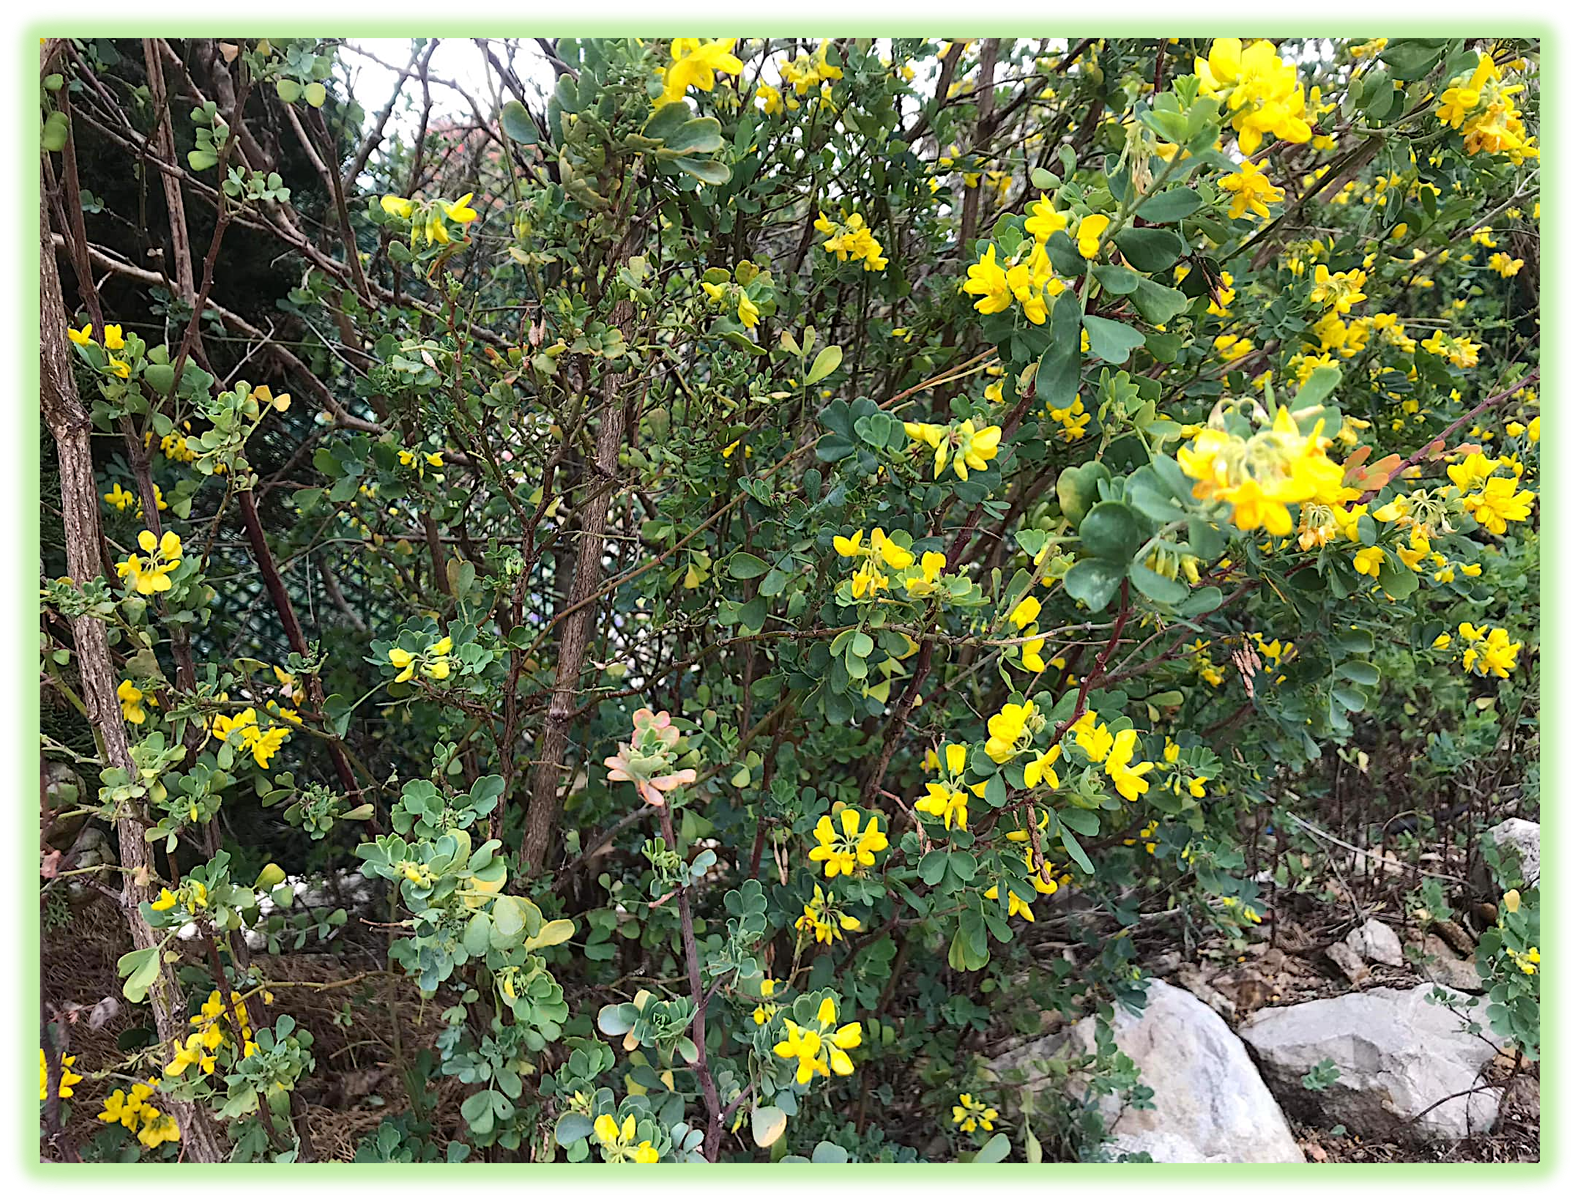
(1397, 1055)
(1522, 839)
(1376, 941)
(1210, 1103)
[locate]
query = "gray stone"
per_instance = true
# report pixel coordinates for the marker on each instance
(1398, 1055)
(1377, 942)
(1521, 838)
(1444, 966)
(1348, 962)
(1210, 1103)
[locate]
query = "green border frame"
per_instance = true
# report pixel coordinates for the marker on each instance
(22, 503)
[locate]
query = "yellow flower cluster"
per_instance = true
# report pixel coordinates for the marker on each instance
(263, 745)
(1260, 475)
(1074, 420)
(719, 294)
(427, 218)
(1481, 107)
(133, 1111)
(1497, 500)
(1458, 351)
(970, 1114)
(1260, 90)
(68, 1077)
(878, 552)
(845, 848)
(852, 239)
(947, 799)
(1011, 730)
(1251, 190)
(1489, 651)
(151, 575)
(825, 919)
(1116, 752)
(822, 1051)
(805, 71)
(434, 662)
(618, 1141)
(131, 699)
(969, 447)
(114, 339)
(1339, 290)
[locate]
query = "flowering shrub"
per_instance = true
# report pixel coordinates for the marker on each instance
(784, 557)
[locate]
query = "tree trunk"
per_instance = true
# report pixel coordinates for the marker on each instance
(542, 808)
(68, 422)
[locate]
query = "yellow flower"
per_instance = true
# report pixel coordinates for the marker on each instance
(1007, 729)
(405, 661)
(1039, 769)
(152, 575)
(822, 1051)
(1025, 611)
(81, 337)
(1129, 780)
(460, 211)
(1368, 561)
(397, 206)
(970, 1114)
(1495, 654)
(1250, 190)
(1044, 219)
(1498, 502)
(1016, 906)
(1091, 736)
(1338, 291)
(1090, 230)
(194, 1053)
(131, 697)
(845, 848)
(825, 919)
(67, 1075)
(113, 339)
(120, 499)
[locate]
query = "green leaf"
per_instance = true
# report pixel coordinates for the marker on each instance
(478, 931)
(1057, 376)
(1075, 851)
(56, 130)
(553, 933)
(1149, 250)
(994, 1151)
(1156, 586)
(1093, 582)
(1171, 205)
(1078, 488)
(743, 565)
(707, 170)
(1112, 340)
(1111, 530)
(315, 94)
(571, 1127)
(509, 919)
(141, 968)
(767, 1124)
(287, 90)
(702, 135)
(517, 124)
(1157, 303)
(1322, 381)
(826, 363)
(1359, 671)
(160, 377)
